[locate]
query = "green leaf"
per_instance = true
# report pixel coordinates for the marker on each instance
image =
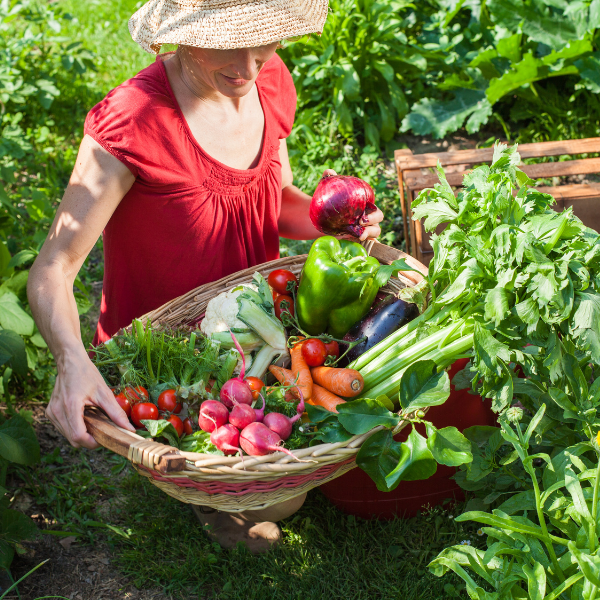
(438, 118)
(589, 69)
(416, 461)
(162, 427)
(5, 259)
(12, 351)
(386, 271)
(421, 385)
(13, 317)
(497, 305)
(448, 446)
(18, 442)
(360, 416)
(331, 432)
(318, 414)
(22, 258)
(378, 456)
(536, 581)
(589, 565)
(7, 553)
(15, 527)
(574, 487)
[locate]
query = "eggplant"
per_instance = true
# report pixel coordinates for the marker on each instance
(383, 319)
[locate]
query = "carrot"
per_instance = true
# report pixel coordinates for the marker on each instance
(286, 377)
(301, 373)
(343, 382)
(324, 398)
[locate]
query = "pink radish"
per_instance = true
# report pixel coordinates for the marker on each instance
(213, 414)
(281, 424)
(236, 390)
(258, 440)
(227, 439)
(260, 412)
(242, 415)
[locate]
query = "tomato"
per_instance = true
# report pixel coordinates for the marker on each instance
(177, 423)
(124, 403)
(314, 352)
(333, 349)
(275, 295)
(136, 394)
(168, 401)
(255, 384)
(187, 426)
(279, 278)
(288, 305)
(143, 411)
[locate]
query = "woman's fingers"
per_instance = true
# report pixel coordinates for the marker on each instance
(372, 231)
(115, 413)
(329, 173)
(371, 224)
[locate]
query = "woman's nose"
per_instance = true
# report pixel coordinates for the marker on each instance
(246, 64)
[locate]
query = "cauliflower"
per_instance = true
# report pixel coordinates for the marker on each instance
(221, 312)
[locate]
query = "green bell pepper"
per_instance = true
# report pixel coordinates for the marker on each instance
(337, 287)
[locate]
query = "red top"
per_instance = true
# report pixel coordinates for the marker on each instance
(188, 219)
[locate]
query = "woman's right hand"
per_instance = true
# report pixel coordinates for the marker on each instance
(79, 384)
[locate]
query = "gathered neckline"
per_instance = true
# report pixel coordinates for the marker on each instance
(263, 150)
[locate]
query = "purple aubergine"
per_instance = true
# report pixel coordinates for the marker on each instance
(340, 203)
(383, 319)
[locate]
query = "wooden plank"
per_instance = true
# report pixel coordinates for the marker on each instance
(416, 180)
(470, 157)
(572, 191)
(107, 434)
(405, 217)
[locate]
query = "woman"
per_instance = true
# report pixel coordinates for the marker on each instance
(184, 169)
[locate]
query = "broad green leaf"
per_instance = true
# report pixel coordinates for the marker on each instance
(416, 461)
(22, 258)
(18, 442)
(13, 317)
(518, 503)
(7, 553)
(378, 456)
(439, 117)
(15, 526)
(12, 351)
(421, 385)
(360, 416)
(5, 258)
(589, 69)
(448, 446)
(574, 487)
(318, 414)
(386, 271)
(536, 581)
(331, 432)
(497, 305)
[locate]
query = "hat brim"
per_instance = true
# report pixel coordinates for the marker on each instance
(221, 25)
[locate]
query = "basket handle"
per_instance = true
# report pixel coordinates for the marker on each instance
(387, 255)
(153, 455)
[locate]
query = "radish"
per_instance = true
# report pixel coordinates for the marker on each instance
(213, 414)
(260, 412)
(282, 425)
(340, 203)
(258, 440)
(236, 390)
(242, 415)
(227, 439)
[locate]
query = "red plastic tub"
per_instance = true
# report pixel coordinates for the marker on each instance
(356, 494)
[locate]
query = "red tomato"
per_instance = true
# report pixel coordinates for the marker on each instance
(136, 394)
(288, 305)
(124, 403)
(143, 411)
(187, 426)
(177, 423)
(255, 384)
(275, 295)
(333, 349)
(314, 352)
(279, 278)
(168, 401)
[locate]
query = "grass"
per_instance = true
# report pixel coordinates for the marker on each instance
(157, 542)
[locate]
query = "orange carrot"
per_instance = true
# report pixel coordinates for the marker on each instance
(301, 373)
(324, 398)
(343, 382)
(284, 376)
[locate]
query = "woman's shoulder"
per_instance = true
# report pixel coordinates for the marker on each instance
(139, 96)
(277, 87)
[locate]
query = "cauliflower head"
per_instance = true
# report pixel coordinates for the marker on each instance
(221, 312)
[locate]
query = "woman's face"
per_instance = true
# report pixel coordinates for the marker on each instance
(230, 72)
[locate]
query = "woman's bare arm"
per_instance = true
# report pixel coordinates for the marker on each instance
(97, 185)
(294, 221)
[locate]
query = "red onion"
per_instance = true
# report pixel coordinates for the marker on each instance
(340, 203)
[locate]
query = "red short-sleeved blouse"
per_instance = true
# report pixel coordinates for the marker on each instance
(188, 219)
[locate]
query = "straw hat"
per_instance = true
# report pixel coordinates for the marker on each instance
(224, 24)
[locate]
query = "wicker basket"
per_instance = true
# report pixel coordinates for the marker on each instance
(235, 484)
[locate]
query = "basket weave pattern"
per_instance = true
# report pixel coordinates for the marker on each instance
(234, 483)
